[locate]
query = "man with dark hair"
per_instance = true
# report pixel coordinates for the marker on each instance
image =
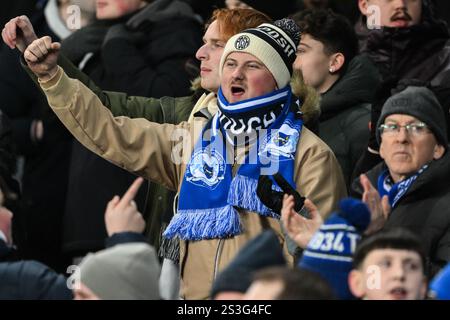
(389, 265)
(332, 30)
(327, 60)
(282, 283)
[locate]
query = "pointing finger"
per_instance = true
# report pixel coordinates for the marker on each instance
(132, 191)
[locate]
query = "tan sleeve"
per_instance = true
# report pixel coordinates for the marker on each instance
(318, 175)
(137, 145)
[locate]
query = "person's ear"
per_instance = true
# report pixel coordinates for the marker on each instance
(356, 283)
(337, 61)
(438, 152)
(363, 5)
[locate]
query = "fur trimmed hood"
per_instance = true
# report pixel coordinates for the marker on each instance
(308, 96)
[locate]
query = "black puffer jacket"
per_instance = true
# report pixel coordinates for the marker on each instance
(424, 209)
(344, 121)
(419, 52)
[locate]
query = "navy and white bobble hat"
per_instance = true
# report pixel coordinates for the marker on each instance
(274, 44)
(330, 251)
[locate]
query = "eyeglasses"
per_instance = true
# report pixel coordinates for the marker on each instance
(415, 129)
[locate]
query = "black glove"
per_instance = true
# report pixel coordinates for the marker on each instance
(270, 198)
(274, 199)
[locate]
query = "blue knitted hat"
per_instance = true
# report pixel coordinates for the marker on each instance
(330, 251)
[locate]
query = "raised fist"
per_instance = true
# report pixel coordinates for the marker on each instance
(41, 56)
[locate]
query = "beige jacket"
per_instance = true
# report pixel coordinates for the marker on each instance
(149, 150)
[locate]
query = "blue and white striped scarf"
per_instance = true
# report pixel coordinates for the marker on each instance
(209, 193)
(395, 191)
